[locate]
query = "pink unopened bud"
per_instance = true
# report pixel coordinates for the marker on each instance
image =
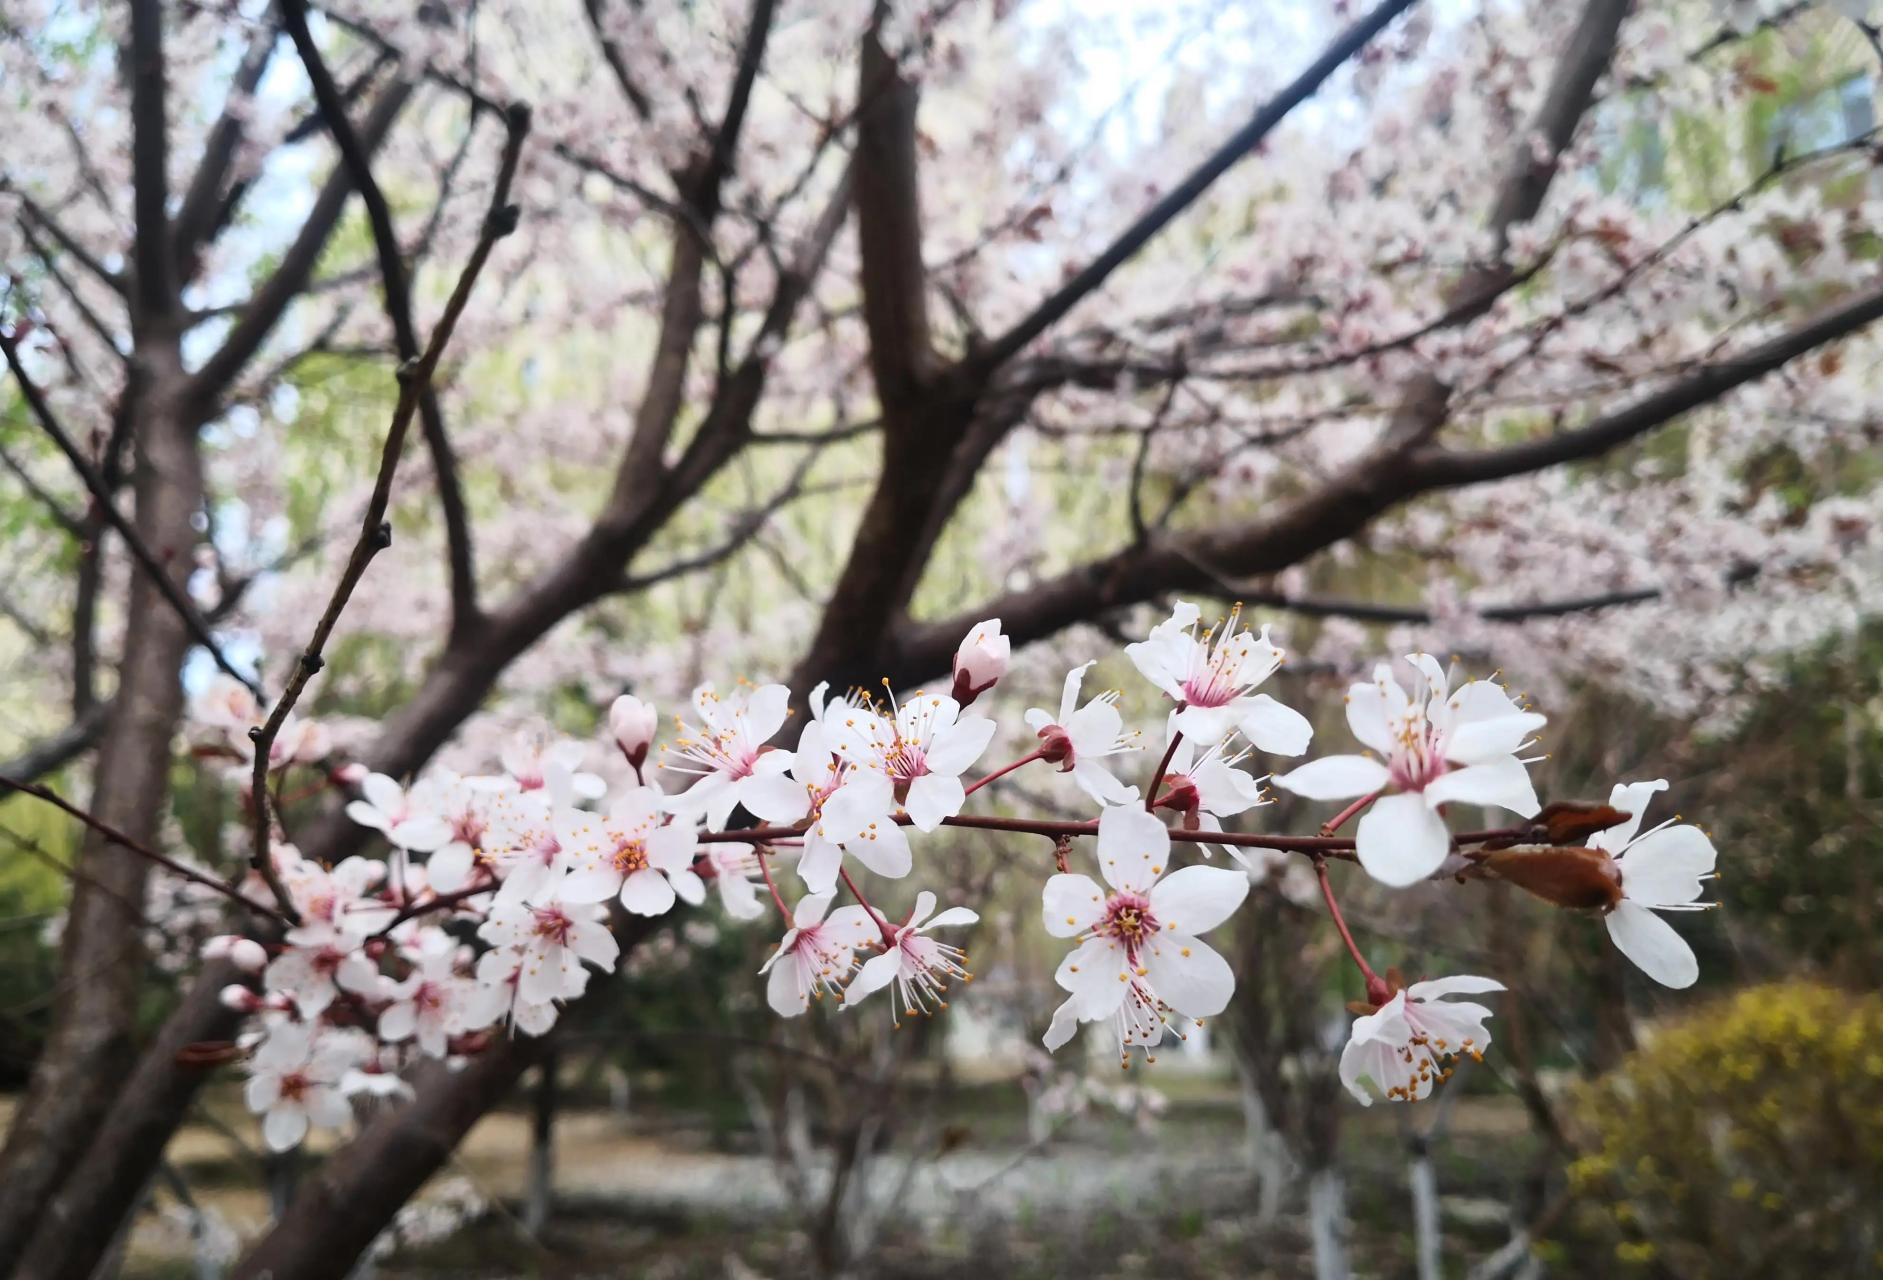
(633, 724)
(1056, 746)
(247, 954)
(351, 774)
(980, 661)
(240, 998)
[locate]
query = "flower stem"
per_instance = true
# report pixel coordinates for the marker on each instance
(1001, 772)
(1373, 982)
(889, 934)
(1341, 819)
(765, 869)
(1163, 767)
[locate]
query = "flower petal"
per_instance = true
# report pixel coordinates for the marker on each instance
(1664, 867)
(1187, 974)
(1335, 778)
(647, 893)
(1277, 729)
(1097, 976)
(1401, 841)
(1463, 984)
(1071, 904)
(1503, 781)
(1656, 949)
(1632, 798)
(1484, 740)
(873, 976)
(1197, 899)
(959, 745)
(932, 797)
(1133, 848)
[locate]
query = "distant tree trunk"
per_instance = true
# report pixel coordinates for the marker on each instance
(1266, 1149)
(1427, 1236)
(91, 1044)
(539, 1195)
(1327, 1223)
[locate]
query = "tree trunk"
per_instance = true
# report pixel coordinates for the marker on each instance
(1327, 1223)
(1426, 1235)
(539, 1195)
(101, 959)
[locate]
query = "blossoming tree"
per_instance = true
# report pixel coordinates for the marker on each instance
(844, 252)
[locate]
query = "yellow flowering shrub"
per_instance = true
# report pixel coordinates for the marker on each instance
(1747, 1140)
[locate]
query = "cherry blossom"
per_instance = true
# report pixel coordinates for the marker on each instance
(1400, 1051)
(727, 752)
(1214, 678)
(632, 852)
(552, 941)
(920, 749)
(534, 759)
(633, 724)
(1139, 957)
(427, 1004)
(1079, 737)
(1664, 869)
(322, 963)
(386, 806)
(730, 868)
(981, 661)
(1439, 747)
(1204, 789)
(294, 1083)
(919, 967)
(816, 955)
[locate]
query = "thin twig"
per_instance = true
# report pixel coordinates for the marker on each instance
(101, 495)
(414, 379)
(119, 838)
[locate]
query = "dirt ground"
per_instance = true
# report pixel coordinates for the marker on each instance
(1101, 1199)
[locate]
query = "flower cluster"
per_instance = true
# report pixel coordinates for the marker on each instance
(501, 894)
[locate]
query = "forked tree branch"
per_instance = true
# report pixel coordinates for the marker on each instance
(375, 531)
(397, 291)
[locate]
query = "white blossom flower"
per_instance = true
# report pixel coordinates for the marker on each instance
(294, 1083)
(1400, 1050)
(633, 852)
(535, 760)
(1664, 869)
(553, 940)
(816, 954)
(426, 1003)
(1204, 789)
(1079, 737)
(727, 751)
(730, 867)
(320, 963)
(1444, 747)
(385, 806)
(919, 967)
(1139, 957)
(1214, 679)
(910, 760)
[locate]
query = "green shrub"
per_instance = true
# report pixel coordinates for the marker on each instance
(1745, 1141)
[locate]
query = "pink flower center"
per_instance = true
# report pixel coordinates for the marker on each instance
(553, 926)
(1128, 922)
(1417, 761)
(629, 856)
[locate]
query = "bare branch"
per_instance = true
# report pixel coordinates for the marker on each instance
(375, 532)
(290, 277)
(1186, 193)
(101, 497)
(398, 298)
(150, 156)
